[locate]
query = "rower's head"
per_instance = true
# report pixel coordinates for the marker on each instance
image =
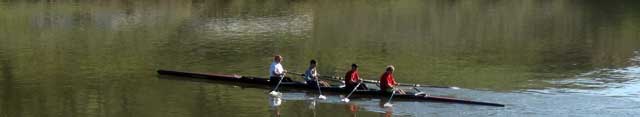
(390, 68)
(354, 66)
(277, 58)
(313, 63)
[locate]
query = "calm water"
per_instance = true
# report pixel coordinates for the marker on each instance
(539, 57)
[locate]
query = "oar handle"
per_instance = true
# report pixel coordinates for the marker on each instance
(414, 85)
(323, 77)
(335, 78)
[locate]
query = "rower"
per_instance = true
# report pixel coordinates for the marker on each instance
(388, 83)
(276, 71)
(311, 75)
(351, 79)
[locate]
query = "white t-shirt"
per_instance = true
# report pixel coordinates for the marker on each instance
(275, 67)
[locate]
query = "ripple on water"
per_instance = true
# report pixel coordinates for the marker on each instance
(621, 83)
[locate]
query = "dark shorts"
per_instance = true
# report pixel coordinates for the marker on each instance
(312, 84)
(388, 90)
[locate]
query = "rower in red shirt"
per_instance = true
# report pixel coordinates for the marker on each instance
(388, 83)
(351, 79)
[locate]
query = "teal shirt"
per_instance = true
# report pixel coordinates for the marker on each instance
(310, 74)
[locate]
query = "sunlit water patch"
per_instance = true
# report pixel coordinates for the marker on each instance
(291, 24)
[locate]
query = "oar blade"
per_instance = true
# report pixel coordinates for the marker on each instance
(322, 97)
(346, 100)
(387, 105)
(274, 93)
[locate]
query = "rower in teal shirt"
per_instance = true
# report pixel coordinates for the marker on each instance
(311, 75)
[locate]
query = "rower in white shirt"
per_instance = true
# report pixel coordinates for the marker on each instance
(276, 71)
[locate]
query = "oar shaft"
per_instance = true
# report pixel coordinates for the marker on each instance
(277, 85)
(414, 88)
(393, 92)
(354, 89)
(318, 84)
(376, 81)
(413, 85)
(327, 77)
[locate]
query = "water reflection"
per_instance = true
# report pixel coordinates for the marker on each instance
(431, 42)
(233, 27)
(97, 58)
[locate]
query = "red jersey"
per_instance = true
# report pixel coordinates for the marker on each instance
(387, 81)
(351, 78)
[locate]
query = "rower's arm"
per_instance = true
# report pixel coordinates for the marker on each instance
(283, 72)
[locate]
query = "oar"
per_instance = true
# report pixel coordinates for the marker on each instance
(339, 79)
(419, 92)
(328, 78)
(346, 99)
(388, 104)
(274, 91)
(322, 97)
(414, 88)
(418, 85)
(414, 85)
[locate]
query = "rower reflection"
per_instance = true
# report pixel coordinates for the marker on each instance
(275, 111)
(274, 103)
(311, 104)
(388, 111)
(353, 109)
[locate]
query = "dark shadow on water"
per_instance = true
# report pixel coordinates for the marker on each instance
(7, 77)
(241, 85)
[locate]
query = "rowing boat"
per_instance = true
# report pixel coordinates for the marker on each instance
(298, 85)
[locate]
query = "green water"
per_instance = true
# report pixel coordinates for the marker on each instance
(98, 58)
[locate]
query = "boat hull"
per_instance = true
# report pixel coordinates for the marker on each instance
(299, 85)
